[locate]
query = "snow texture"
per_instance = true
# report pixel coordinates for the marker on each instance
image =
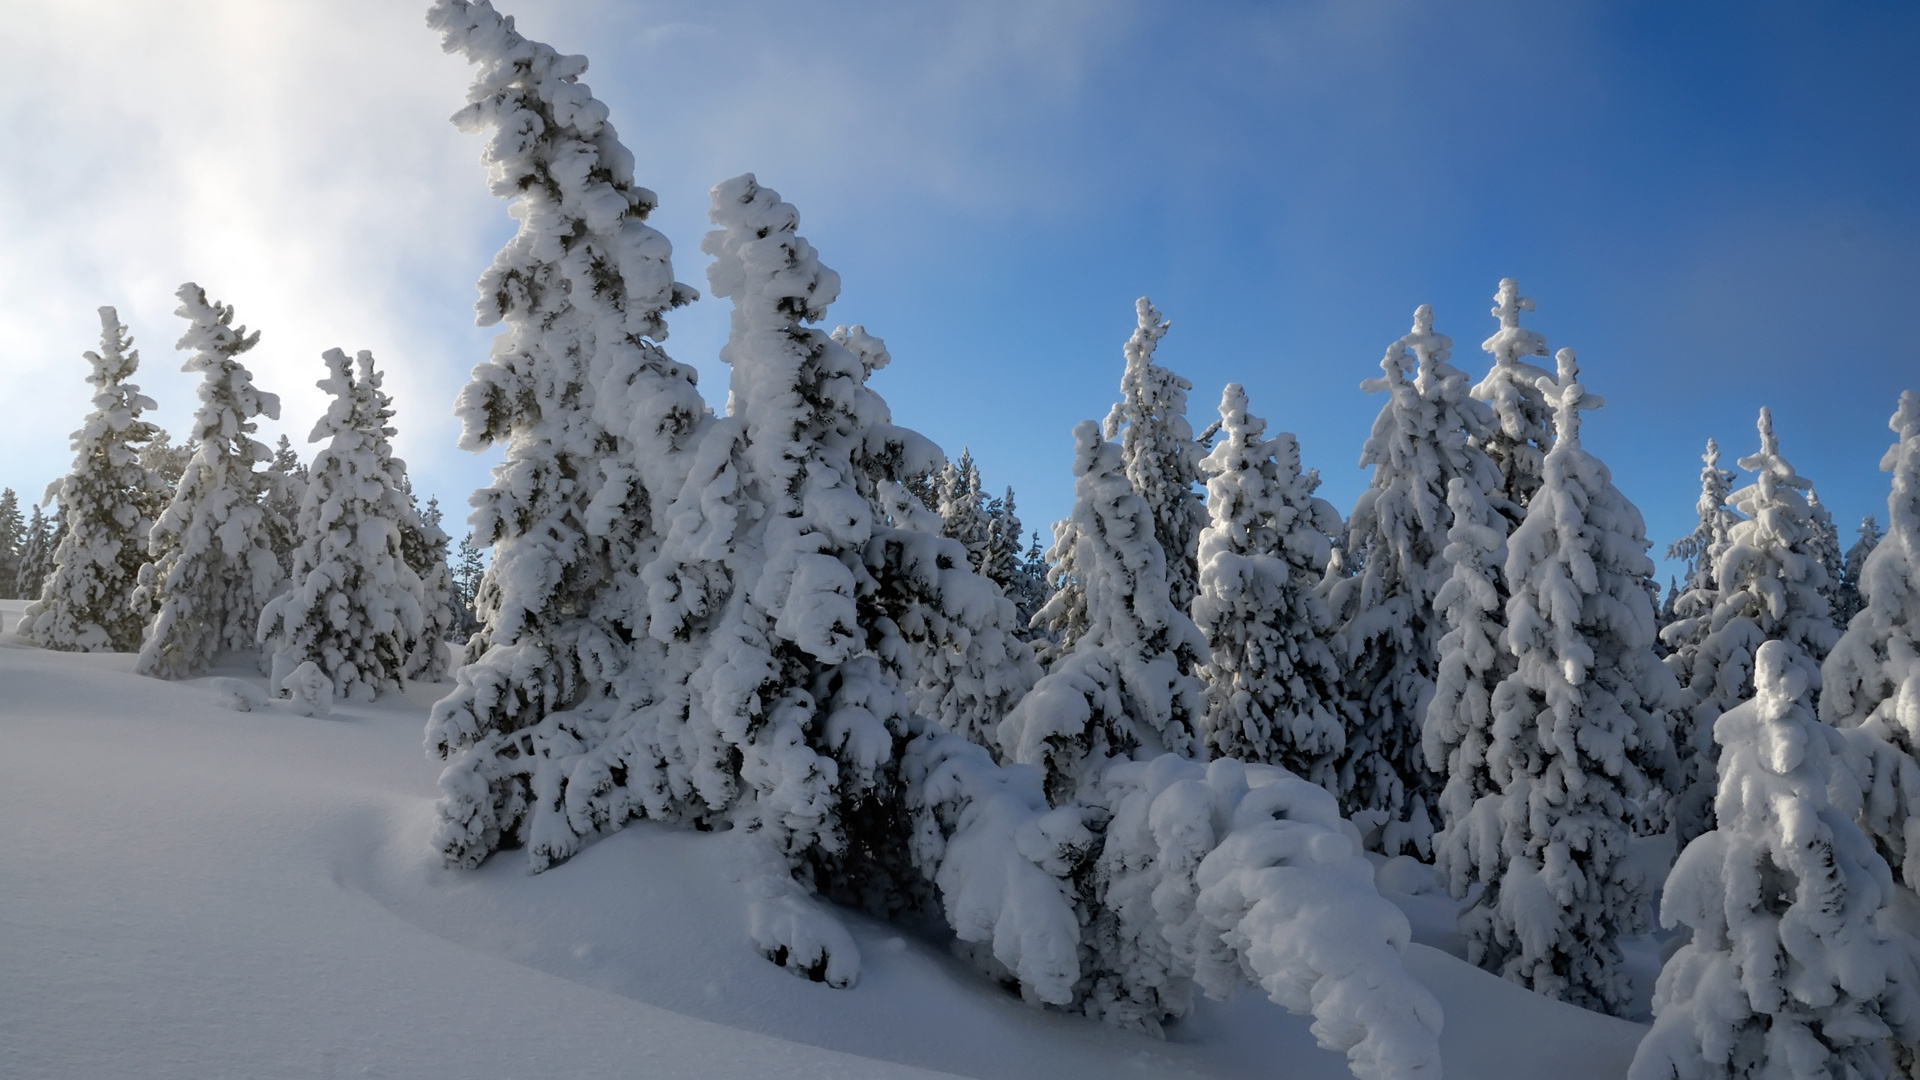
(213, 565)
(1578, 727)
(1387, 631)
(355, 608)
(1795, 967)
(1121, 689)
(1273, 690)
(108, 503)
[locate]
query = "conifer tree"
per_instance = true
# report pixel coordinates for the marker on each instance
(166, 462)
(1387, 629)
(963, 509)
(1848, 601)
(1689, 808)
(1157, 445)
(37, 541)
(213, 566)
(355, 606)
(1523, 431)
(1769, 585)
(1577, 728)
(423, 546)
(1794, 967)
(1120, 688)
(13, 542)
(109, 502)
(1825, 548)
(1003, 565)
(1870, 683)
(468, 568)
(286, 488)
(594, 417)
(1273, 690)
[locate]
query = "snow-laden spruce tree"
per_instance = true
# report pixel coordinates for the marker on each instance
(963, 509)
(1387, 630)
(1769, 585)
(1120, 689)
(13, 543)
(1826, 549)
(213, 565)
(286, 487)
(1870, 683)
(1577, 728)
(355, 607)
(86, 603)
(468, 568)
(423, 545)
(1004, 564)
(1523, 422)
(1848, 601)
(593, 416)
(33, 558)
(1795, 967)
(1474, 660)
(1156, 444)
(1273, 691)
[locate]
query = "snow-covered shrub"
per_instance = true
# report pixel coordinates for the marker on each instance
(1121, 689)
(1387, 628)
(1794, 968)
(1273, 691)
(1157, 447)
(355, 608)
(213, 565)
(108, 503)
(1523, 421)
(1768, 585)
(1871, 679)
(1577, 728)
(310, 689)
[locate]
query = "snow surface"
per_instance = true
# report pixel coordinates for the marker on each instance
(189, 891)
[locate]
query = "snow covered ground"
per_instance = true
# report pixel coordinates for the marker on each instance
(191, 892)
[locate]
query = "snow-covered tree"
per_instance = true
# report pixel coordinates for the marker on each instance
(1005, 565)
(1157, 445)
(1689, 807)
(1848, 601)
(1474, 660)
(1120, 688)
(963, 509)
(1577, 728)
(593, 416)
(1387, 628)
(166, 462)
(13, 542)
(1871, 680)
(1825, 548)
(1273, 691)
(109, 502)
(468, 568)
(1795, 966)
(286, 488)
(423, 545)
(1768, 585)
(39, 539)
(213, 565)
(1523, 422)
(355, 608)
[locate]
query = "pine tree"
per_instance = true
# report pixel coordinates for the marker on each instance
(1387, 630)
(355, 607)
(1157, 445)
(1577, 728)
(1475, 659)
(109, 504)
(1794, 967)
(423, 546)
(1120, 689)
(37, 541)
(1825, 548)
(1847, 599)
(1870, 683)
(1523, 421)
(468, 568)
(1273, 690)
(286, 488)
(213, 567)
(13, 543)
(594, 417)
(1769, 585)
(1003, 565)
(963, 509)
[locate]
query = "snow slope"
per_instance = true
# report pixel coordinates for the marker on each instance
(191, 892)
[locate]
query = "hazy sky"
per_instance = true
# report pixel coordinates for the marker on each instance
(1718, 205)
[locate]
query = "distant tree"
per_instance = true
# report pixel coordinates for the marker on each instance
(213, 565)
(13, 542)
(38, 539)
(1847, 600)
(963, 509)
(468, 567)
(108, 502)
(286, 481)
(423, 545)
(1162, 459)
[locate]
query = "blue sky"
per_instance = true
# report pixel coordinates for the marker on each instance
(1715, 204)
